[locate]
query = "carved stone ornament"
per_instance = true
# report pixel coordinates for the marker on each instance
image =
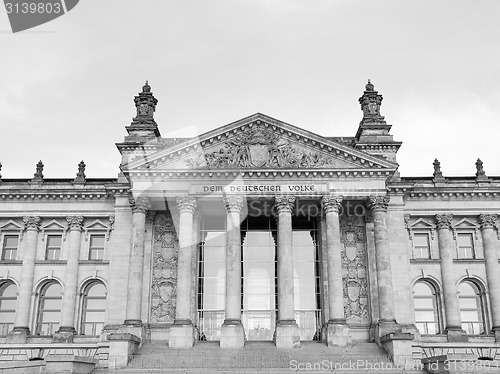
(75, 222)
(488, 221)
(233, 203)
(38, 176)
(145, 104)
(331, 203)
(351, 233)
(80, 176)
(379, 203)
(186, 204)
(260, 147)
(443, 221)
(141, 204)
(370, 105)
(32, 223)
(284, 204)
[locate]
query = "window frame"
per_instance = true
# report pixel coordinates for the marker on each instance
(84, 310)
(5, 284)
(436, 306)
(6, 235)
(472, 236)
(92, 234)
(414, 247)
(39, 310)
(47, 240)
(480, 309)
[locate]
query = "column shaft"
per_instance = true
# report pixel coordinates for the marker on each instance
(331, 207)
(71, 277)
(378, 205)
(450, 292)
(187, 206)
(490, 243)
(23, 307)
(136, 261)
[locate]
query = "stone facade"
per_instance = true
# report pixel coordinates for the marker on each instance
(103, 265)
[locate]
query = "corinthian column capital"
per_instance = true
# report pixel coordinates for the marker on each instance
(233, 203)
(379, 203)
(32, 223)
(284, 204)
(75, 222)
(443, 221)
(186, 204)
(140, 204)
(331, 203)
(487, 221)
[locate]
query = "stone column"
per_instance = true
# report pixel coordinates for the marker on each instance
(23, 308)
(337, 329)
(182, 331)
(451, 307)
(139, 207)
(287, 331)
(233, 334)
(387, 321)
(490, 243)
(67, 329)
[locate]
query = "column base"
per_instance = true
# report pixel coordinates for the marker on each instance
(385, 327)
(399, 348)
(287, 334)
(337, 334)
(232, 334)
(135, 328)
(65, 334)
(181, 334)
(19, 334)
(455, 334)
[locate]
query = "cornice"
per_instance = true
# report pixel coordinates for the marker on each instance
(259, 173)
(70, 193)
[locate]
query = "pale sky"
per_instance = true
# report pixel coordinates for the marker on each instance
(67, 87)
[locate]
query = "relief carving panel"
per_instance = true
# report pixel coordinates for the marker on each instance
(354, 270)
(164, 279)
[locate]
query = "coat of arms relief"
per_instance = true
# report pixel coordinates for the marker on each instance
(260, 147)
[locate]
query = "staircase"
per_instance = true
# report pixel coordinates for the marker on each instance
(261, 357)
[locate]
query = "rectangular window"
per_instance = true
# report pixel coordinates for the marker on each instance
(54, 243)
(421, 246)
(10, 243)
(465, 244)
(96, 250)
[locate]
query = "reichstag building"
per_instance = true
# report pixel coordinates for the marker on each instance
(256, 231)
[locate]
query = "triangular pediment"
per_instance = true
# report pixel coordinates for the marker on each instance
(255, 143)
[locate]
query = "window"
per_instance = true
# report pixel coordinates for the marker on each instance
(471, 308)
(421, 246)
(53, 251)
(426, 308)
(465, 244)
(93, 310)
(8, 299)
(96, 250)
(10, 243)
(49, 309)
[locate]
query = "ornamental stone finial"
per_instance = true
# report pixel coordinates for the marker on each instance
(284, 204)
(233, 203)
(379, 203)
(444, 221)
(38, 176)
(80, 176)
(438, 175)
(480, 174)
(331, 203)
(370, 105)
(145, 104)
(186, 204)
(487, 221)
(369, 86)
(32, 223)
(140, 204)
(75, 222)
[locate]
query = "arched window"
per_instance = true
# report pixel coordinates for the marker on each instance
(471, 308)
(49, 309)
(93, 308)
(8, 299)
(425, 303)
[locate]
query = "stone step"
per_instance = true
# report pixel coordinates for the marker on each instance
(261, 371)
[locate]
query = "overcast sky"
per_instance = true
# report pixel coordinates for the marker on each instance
(67, 87)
